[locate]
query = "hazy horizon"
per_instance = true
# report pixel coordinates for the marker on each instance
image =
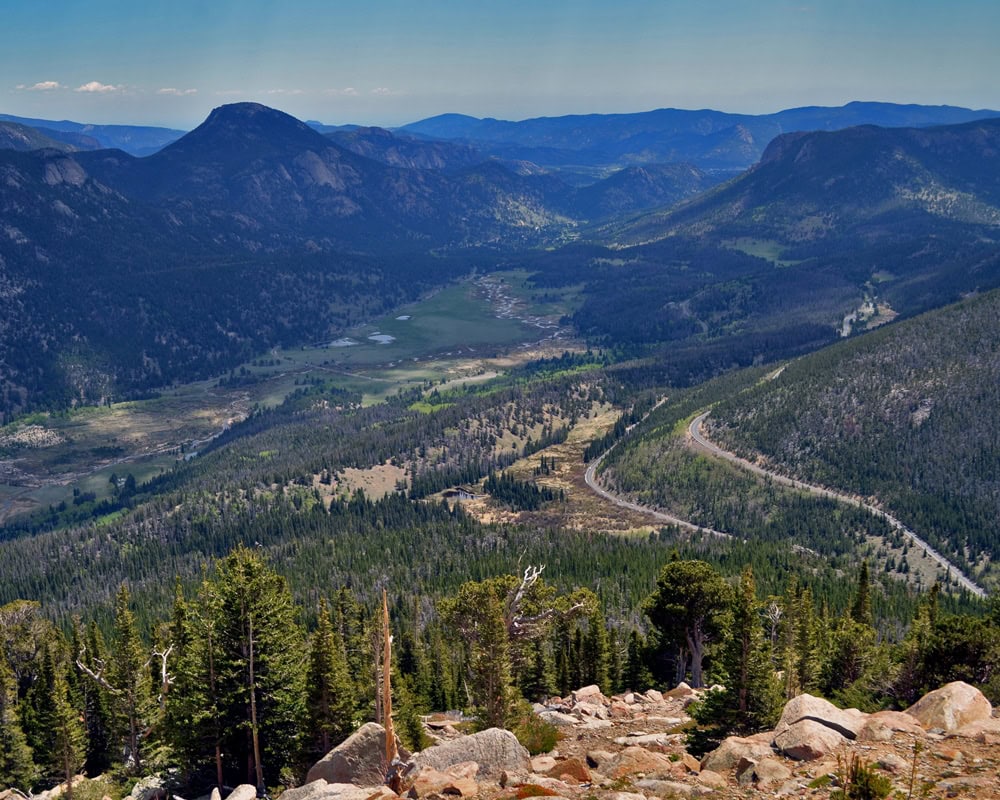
(391, 62)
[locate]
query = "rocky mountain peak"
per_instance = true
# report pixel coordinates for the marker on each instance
(239, 128)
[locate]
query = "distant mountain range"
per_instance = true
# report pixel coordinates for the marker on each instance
(137, 140)
(710, 140)
(121, 273)
(153, 269)
(15, 136)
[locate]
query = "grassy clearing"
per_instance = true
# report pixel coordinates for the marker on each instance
(761, 248)
(583, 509)
(451, 337)
(454, 321)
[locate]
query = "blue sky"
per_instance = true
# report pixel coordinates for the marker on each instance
(388, 62)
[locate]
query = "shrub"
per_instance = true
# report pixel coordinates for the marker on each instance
(533, 732)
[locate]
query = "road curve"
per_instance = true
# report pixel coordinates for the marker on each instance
(590, 477)
(700, 442)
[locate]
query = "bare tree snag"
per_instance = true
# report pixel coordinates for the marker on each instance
(391, 753)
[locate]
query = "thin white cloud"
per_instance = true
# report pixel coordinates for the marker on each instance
(381, 90)
(96, 87)
(285, 91)
(348, 91)
(41, 86)
(176, 92)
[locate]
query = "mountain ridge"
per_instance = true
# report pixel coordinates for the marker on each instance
(255, 201)
(708, 138)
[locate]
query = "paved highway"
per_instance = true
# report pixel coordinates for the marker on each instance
(700, 442)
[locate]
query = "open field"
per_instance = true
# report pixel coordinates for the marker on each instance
(471, 331)
(768, 250)
(583, 509)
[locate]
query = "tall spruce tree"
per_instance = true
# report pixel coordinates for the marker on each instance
(791, 623)
(861, 608)
(96, 703)
(596, 651)
(637, 676)
(192, 720)
(259, 668)
(538, 679)
(809, 655)
(129, 680)
(752, 682)
(38, 709)
(17, 769)
(329, 694)
(67, 734)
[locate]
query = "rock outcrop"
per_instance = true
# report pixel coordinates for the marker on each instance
(321, 790)
(495, 751)
(632, 747)
(808, 740)
(950, 707)
(882, 726)
(727, 755)
(847, 722)
(358, 760)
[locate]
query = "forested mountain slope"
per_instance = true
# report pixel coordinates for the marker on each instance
(120, 273)
(895, 220)
(14, 136)
(906, 414)
(139, 140)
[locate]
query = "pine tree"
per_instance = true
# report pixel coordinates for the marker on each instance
(38, 708)
(358, 636)
(129, 678)
(68, 737)
(808, 665)
(596, 652)
(538, 680)
(861, 609)
(330, 698)
(790, 638)
(192, 722)
(414, 664)
(443, 689)
(752, 698)
(852, 647)
(562, 655)
(755, 697)
(909, 683)
(616, 660)
(259, 669)
(96, 704)
(17, 770)
(637, 676)
(689, 608)
(576, 659)
(476, 613)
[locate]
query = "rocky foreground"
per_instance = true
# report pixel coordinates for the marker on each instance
(628, 747)
(631, 747)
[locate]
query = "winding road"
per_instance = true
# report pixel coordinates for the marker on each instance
(700, 442)
(590, 477)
